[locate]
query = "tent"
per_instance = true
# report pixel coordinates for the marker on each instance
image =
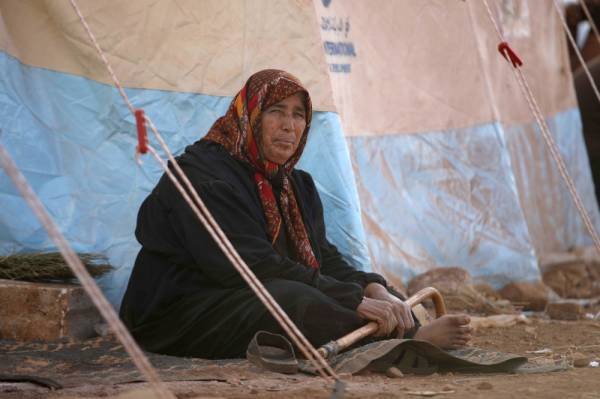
(422, 148)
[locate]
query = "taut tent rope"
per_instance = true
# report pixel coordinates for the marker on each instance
(87, 282)
(535, 110)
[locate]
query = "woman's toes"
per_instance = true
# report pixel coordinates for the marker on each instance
(464, 338)
(465, 329)
(460, 342)
(458, 320)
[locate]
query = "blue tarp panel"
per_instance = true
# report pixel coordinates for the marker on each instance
(74, 140)
(467, 197)
(487, 198)
(455, 199)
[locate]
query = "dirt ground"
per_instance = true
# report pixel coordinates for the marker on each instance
(559, 339)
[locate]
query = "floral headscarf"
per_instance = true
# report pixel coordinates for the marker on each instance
(238, 132)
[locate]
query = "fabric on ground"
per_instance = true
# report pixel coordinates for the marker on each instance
(420, 357)
(96, 361)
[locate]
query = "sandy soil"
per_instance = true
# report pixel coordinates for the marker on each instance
(564, 339)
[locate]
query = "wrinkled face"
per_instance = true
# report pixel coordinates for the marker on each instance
(281, 128)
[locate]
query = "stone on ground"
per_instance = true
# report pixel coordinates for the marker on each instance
(456, 286)
(565, 311)
(47, 312)
(532, 296)
(580, 360)
(572, 275)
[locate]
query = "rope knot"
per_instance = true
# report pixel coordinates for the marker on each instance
(509, 54)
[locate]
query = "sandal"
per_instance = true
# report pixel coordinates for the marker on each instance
(272, 352)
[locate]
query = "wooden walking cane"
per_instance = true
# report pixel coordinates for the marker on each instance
(334, 347)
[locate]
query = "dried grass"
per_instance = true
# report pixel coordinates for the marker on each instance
(48, 266)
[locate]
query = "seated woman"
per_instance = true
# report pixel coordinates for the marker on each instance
(184, 297)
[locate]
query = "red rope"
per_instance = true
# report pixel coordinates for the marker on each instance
(140, 120)
(509, 54)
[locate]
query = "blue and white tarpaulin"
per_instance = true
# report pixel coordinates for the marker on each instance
(422, 149)
(75, 144)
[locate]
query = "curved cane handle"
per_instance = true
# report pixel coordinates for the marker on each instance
(334, 347)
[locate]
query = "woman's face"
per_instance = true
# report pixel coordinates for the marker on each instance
(281, 128)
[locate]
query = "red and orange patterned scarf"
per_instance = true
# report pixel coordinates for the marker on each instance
(237, 131)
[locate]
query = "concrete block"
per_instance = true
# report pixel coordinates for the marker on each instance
(47, 312)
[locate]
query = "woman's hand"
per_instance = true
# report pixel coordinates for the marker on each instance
(380, 311)
(402, 312)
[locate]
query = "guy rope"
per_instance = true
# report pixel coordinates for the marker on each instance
(510, 55)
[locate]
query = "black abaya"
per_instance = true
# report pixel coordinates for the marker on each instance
(185, 298)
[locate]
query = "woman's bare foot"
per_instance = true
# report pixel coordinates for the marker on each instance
(450, 331)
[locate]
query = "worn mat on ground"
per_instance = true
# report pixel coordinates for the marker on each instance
(103, 360)
(422, 358)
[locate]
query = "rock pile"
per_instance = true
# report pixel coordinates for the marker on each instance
(459, 291)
